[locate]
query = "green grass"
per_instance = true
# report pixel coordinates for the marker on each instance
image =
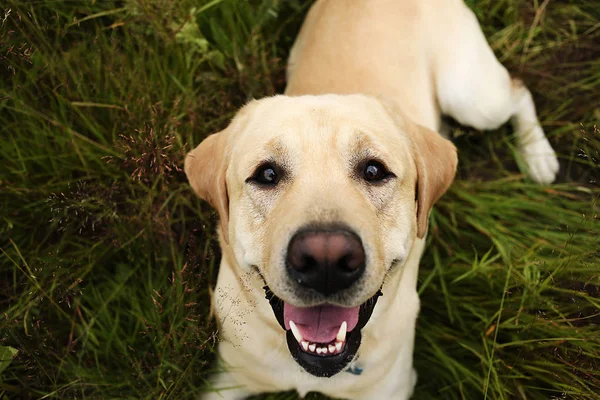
(107, 258)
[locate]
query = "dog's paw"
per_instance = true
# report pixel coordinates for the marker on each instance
(540, 160)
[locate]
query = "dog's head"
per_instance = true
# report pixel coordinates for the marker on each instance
(322, 195)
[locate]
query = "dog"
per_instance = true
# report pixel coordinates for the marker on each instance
(324, 194)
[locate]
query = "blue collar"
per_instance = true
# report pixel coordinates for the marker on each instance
(354, 370)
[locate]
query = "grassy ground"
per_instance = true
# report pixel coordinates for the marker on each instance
(107, 258)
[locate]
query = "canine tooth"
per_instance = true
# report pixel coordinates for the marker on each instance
(341, 336)
(296, 332)
(331, 348)
(338, 346)
(312, 347)
(305, 345)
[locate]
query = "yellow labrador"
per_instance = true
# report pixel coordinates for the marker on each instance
(324, 194)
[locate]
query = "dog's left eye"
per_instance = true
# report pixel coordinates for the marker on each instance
(374, 172)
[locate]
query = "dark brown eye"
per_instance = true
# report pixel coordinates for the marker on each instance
(267, 174)
(374, 172)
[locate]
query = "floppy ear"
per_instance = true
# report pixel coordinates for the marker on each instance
(205, 168)
(436, 160)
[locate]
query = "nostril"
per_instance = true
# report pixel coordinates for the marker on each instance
(307, 262)
(349, 263)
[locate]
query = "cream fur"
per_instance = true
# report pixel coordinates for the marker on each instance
(363, 74)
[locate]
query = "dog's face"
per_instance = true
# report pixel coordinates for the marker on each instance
(323, 195)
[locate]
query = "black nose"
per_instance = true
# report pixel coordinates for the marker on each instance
(326, 260)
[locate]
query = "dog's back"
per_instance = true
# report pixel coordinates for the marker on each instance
(429, 57)
(365, 46)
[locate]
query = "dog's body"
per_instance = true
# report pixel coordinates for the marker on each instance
(418, 59)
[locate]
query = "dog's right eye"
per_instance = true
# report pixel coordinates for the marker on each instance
(267, 174)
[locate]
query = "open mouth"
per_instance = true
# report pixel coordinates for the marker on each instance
(322, 339)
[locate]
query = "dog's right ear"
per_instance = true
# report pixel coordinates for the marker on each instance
(206, 169)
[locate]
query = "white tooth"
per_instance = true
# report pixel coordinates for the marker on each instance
(338, 346)
(331, 348)
(312, 347)
(324, 350)
(341, 336)
(319, 350)
(305, 345)
(296, 332)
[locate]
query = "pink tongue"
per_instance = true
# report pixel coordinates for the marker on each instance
(320, 324)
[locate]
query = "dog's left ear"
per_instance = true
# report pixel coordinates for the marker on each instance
(206, 169)
(435, 159)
